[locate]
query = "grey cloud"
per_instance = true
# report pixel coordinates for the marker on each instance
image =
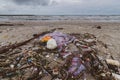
(59, 7)
(32, 2)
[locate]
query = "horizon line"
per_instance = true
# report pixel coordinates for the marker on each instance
(58, 15)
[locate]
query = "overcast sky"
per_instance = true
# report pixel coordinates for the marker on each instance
(60, 7)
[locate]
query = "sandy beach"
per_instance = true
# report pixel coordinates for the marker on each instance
(107, 32)
(59, 39)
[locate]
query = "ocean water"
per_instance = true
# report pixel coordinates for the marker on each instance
(99, 18)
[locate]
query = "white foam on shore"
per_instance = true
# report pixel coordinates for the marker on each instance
(96, 18)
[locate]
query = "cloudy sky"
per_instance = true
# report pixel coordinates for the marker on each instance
(60, 7)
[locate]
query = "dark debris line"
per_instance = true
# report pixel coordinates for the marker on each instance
(30, 61)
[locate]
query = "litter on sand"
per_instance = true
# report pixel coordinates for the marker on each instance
(54, 55)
